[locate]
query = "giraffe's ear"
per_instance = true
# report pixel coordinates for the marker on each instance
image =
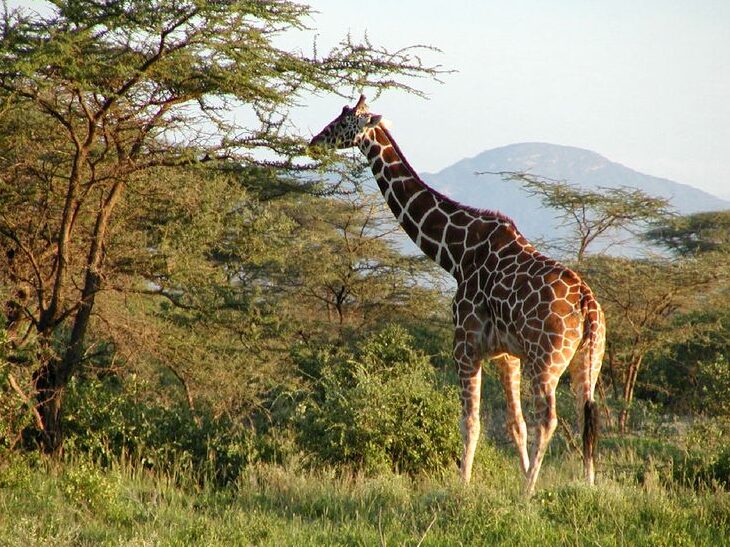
(374, 120)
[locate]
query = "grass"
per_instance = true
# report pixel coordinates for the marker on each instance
(79, 503)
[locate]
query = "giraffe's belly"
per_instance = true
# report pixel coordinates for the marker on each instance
(498, 339)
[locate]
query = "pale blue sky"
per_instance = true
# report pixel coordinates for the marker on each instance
(643, 82)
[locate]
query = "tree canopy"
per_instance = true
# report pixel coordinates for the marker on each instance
(593, 214)
(123, 170)
(694, 234)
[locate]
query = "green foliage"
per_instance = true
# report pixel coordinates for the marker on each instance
(713, 382)
(435, 339)
(694, 234)
(679, 454)
(689, 375)
(17, 469)
(89, 487)
(701, 471)
(105, 421)
(592, 213)
(378, 407)
(706, 463)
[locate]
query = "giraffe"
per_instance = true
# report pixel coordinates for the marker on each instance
(523, 311)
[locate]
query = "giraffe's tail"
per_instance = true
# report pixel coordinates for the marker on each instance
(590, 430)
(594, 336)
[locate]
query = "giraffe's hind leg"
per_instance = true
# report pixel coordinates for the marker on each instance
(509, 374)
(546, 421)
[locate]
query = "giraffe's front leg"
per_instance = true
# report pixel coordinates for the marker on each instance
(469, 365)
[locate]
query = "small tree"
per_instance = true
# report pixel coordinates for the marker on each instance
(592, 214)
(346, 267)
(693, 371)
(641, 299)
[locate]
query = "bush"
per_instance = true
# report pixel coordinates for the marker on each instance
(713, 383)
(707, 460)
(699, 471)
(693, 375)
(378, 406)
(107, 420)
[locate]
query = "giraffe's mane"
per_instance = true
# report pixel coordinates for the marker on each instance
(486, 213)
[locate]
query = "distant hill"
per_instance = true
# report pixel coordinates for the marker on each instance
(574, 165)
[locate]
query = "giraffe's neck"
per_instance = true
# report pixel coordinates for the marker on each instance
(423, 213)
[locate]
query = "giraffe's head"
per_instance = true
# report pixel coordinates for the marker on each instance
(346, 130)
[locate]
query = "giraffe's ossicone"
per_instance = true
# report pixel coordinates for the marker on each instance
(527, 313)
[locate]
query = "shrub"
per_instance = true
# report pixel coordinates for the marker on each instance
(107, 420)
(378, 406)
(86, 486)
(713, 383)
(707, 460)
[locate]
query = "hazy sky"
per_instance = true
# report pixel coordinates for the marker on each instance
(643, 82)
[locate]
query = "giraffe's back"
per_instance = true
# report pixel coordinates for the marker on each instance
(532, 305)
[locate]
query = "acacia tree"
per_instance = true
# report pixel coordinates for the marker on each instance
(692, 372)
(642, 298)
(98, 93)
(592, 214)
(693, 235)
(346, 267)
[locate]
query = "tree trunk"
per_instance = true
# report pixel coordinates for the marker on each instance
(606, 410)
(623, 418)
(53, 376)
(632, 374)
(50, 382)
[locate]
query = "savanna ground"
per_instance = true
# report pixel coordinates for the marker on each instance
(648, 493)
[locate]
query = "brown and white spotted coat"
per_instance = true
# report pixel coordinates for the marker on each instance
(525, 312)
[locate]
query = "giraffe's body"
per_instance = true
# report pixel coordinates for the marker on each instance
(526, 312)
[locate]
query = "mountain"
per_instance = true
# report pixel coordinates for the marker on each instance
(575, 165)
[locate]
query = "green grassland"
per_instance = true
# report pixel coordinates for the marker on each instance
(638, 501)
